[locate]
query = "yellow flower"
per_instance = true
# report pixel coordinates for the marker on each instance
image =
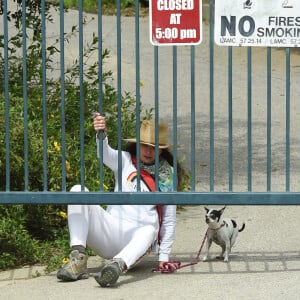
(142, 83)
(68, 166)
(65, 260)
(63, 214)
(56, 146)
(105, 187)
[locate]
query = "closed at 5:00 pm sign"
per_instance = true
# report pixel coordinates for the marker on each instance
(272, 23)
(175, 22)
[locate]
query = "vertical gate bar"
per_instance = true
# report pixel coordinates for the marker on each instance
(156, 105)
(44, 96)
(156, 120)
(25, 99)
(137, 83)
(100, 93)
(211, 99)
(62, 94)
(6, 97)
(230, 119)
(81, 95)
(269, 79)
(175, 116)
(288, 100)
(119, 87)
(193, 118)
(137, 58)
(249, 88)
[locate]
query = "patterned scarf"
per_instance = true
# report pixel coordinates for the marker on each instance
(165, 172)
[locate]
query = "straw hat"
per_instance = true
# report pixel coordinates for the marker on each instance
(147, 134)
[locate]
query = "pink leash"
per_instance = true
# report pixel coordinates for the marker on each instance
(173, 265)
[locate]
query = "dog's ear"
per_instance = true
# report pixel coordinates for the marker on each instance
(207, 210)
(222, 210)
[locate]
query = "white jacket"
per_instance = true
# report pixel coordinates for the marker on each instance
(139, 214)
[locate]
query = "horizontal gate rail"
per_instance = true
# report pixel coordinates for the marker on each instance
(138, 198)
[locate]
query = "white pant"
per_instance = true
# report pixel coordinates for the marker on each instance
(108, 236)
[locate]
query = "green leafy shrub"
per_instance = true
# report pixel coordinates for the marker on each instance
(91, 5)
(16, 247)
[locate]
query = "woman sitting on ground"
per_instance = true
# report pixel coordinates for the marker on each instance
(125, 233)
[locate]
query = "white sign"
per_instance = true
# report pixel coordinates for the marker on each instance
(272, 23)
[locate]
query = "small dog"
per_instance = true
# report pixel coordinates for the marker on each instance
(223, 232)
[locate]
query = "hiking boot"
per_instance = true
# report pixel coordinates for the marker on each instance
(110, 273)
(75, 268)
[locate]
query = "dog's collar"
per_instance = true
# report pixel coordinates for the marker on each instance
(215, 229)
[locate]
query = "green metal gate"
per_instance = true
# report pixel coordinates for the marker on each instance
(233, 112)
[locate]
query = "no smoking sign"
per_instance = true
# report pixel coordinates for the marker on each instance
(175, 22)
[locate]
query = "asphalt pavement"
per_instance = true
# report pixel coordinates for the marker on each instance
(264, 264)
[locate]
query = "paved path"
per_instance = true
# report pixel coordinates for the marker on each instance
(202, 96)
(265, 264)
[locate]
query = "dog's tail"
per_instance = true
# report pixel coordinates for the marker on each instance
(242, 228)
